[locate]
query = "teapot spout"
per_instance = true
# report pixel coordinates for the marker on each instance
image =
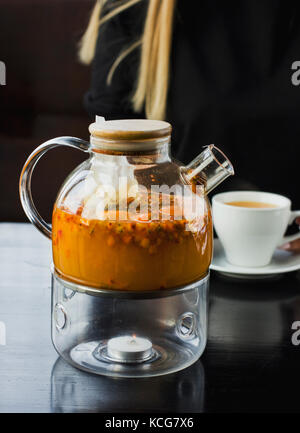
(209, 168)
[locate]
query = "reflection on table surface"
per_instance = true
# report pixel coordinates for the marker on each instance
(250, 361)
(73, 390)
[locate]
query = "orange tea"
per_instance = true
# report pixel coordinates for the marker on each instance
(254, 204)
(132, 254)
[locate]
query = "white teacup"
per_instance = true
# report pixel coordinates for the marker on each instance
(250, 235)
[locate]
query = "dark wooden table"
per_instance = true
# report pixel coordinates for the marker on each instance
(249, 365)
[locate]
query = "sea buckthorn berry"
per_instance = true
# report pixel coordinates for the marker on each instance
(170, 226)
(140, 227)
(145, 242)
(152, 226)
(177, 225)
(127, 239)
(138, 237)
(119, 228)
(130, 227)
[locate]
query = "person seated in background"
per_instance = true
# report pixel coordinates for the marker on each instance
(219, 72)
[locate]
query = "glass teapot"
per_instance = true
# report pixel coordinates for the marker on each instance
(130, 218)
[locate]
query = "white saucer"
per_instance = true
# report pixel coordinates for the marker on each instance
(282, 261)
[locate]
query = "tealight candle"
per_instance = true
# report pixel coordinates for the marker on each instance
(129, 348)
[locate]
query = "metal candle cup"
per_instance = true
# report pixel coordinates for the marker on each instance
(129, 349)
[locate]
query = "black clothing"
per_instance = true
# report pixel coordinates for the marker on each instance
(230, 84)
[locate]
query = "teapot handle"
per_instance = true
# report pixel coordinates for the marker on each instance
(25, 178)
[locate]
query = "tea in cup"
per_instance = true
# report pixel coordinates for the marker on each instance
(251, 225)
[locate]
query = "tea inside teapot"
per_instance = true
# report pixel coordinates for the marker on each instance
(131, 217)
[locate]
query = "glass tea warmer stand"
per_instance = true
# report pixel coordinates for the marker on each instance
(132, 244)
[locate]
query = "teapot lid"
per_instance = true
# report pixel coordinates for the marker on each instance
(129, 129)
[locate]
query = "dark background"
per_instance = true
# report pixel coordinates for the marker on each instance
(241, 99)
(43, 95)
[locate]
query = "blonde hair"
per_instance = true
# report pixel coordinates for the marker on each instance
(153, 75)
